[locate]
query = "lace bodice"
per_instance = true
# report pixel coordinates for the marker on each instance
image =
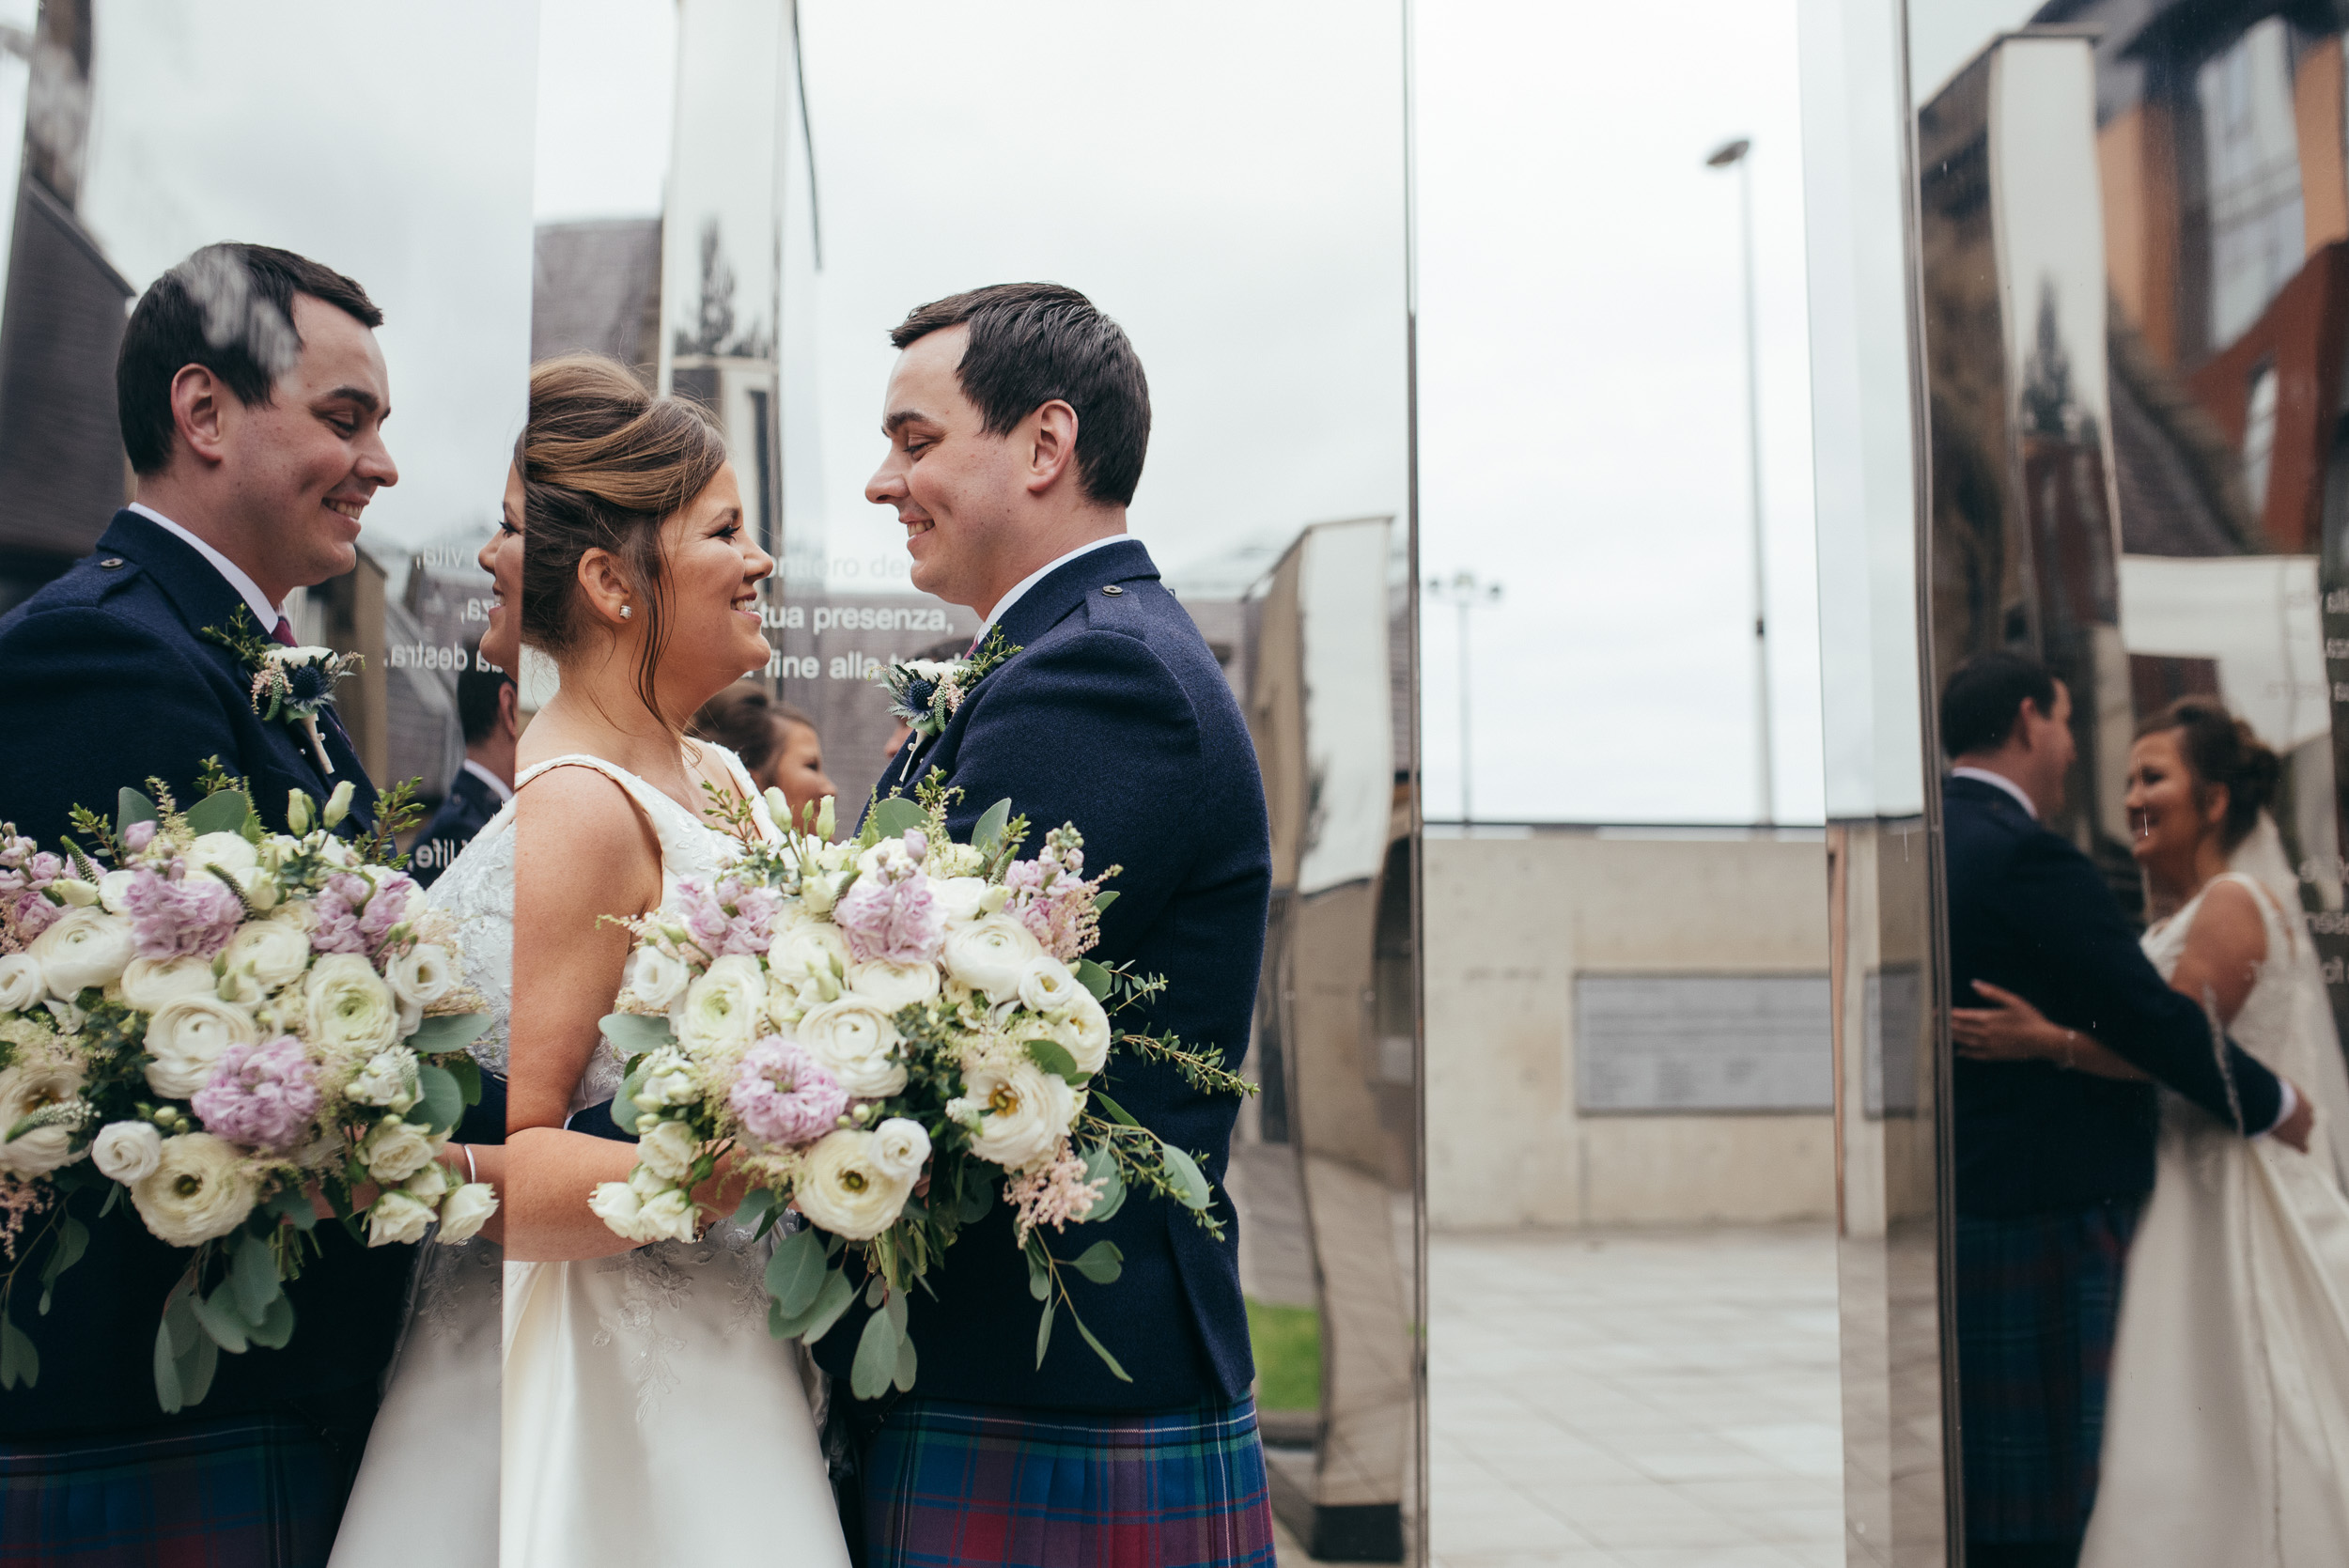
(2266, 1024)
(690, 847)
(477, 890)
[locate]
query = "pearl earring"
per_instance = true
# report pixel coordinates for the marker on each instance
(626, 610)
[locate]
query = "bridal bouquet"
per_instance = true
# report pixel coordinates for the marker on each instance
(226, 1026)
(890, 1034)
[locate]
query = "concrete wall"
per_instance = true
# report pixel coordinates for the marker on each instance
(1510, 923)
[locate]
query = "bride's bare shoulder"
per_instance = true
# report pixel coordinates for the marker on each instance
(2229, 925)
(576, 804)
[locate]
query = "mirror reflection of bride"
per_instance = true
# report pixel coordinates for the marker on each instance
(649, 1417)
(2226, 1431)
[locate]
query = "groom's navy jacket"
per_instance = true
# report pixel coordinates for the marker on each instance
(104, 680)
(2030, 912)
(1115, 717)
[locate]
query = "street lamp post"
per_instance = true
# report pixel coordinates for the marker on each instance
(1735, 153)
(1465, 591)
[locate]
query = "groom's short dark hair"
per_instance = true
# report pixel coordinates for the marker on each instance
(1982, 700)
(228, 308)
(1034, 342)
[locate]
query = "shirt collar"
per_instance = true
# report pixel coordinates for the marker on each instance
(264, 611)
(995, 617)
(498, 786)
(1983, 775)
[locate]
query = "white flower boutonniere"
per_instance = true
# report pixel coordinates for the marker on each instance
(295, 684)
(925, 692)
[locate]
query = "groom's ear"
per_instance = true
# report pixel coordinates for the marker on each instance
(196, 399)
(1052, 446)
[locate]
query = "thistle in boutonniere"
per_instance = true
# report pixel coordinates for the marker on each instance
(925, 692)
(292, 684)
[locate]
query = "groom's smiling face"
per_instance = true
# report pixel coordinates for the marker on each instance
(954, 486)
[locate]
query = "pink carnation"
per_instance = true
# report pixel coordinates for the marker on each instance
(782, 1096)
(264, 1096)
(890, 915)
(194, 918)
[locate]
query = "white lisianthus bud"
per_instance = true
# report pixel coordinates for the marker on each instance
(668, 1149)
(900, 1147)
(723, 1006)
(21, 982)
(398, 1217)
(1048, 986)
(388, 1080)
(198, 1192)
(24, 1091)
(126, 1150)
(990, 953)
(854, 1041)
(339, 805)
(83, 947)
(150, 983)
(186, 1036)
(819, 891)
(75, 891)
(668, 1079)
(617, 1204)
(844, 1189)
(297, 812)
(827, 819)
(272, 952)
(464, 1211)
(655, 979)
(395, 1150)
(429, 1184)
(667, 1216)
(779, 809)
(348, 1005)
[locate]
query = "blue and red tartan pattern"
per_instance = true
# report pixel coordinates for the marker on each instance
(2038, 1302)
(964, 1485)
(257, 1492)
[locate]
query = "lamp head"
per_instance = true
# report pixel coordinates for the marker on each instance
(1728, 153)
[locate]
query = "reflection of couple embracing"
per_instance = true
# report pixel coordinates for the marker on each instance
(640, 1412)
(2152, 1282)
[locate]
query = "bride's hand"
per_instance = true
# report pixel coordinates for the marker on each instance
(2013, 1030)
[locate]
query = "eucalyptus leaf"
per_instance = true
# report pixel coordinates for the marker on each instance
(633, 1033)
(130, 806)
(467, 1072)
(1195, 1194)
(907, 1365)
(755, 1204)
(1101, 1263)
(988, 836)
(836, 1296)
(292, 1205)
(166, 1370)
(1039, 1277)
(73, 1240)
(873, 1288)
(895, 1307)
(1101, 1166)
(978, 1197)
(1117, 1113)
(114, 1196)
(1101, 901)
(218, 1315)
(1101, 1350)
(445, 1032)
(1044, 1333)
(179, 1318)
(796, 1273)
(223, 810)
(276, 1325)
(20, 1358)
(1092, 976)
(254, 1278)
(1053, 1058)
(444, 1102)
(898, 815)
(875, 1364)
(197, 1368)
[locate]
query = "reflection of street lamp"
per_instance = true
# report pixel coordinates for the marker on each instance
(1465, 591)
(1729, 153)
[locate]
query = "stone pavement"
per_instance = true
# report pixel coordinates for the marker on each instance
(1635, 1400)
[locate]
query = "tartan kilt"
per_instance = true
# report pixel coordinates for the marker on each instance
(953, 1484)
(251, 1492)
(2038, 1301)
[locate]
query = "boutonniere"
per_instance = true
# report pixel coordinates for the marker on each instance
(925, 692)
(295, 684)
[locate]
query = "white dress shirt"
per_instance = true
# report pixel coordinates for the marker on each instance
(1005, 604)
(263, 612)
(497, 787)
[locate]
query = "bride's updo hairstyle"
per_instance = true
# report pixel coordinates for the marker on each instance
(603, 463)
(2221, 749)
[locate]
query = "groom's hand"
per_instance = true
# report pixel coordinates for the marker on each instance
(2297, 1129)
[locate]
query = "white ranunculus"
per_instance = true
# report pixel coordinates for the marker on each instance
(844, 1189)
(186, 1036)
(114, 890)
(1024, 1112)
(668, 1149)
(422, 975)
(724, 1006)
(900, 1147)
(388, 1079)
(668, 1079)
(148, 984)
(24, 1090)
(960, 896)
(126, 1150)
(197, 1190)
(854, 1041)
(1049, 986)
(395, 1150)
(271, 952)
(21, 982)
(348, 1005)
(802, 947)
(464, 1211)
(890, 987)
(230, 852)
(397, 1216)
(1085, 1032)
(990, 953)
(85, 947)
(654, 979)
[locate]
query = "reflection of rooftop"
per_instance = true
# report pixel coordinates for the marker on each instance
(596, 284)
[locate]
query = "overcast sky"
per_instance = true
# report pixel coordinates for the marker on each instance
(1225, 180)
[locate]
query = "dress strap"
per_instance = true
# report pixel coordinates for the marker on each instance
(667, 819)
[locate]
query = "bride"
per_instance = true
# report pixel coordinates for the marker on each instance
(649, 1417)
(2227, 1431)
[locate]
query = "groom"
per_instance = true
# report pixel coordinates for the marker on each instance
(2053, 1166)
(252, 397)
(1018, 417)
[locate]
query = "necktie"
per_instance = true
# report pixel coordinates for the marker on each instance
(283, 632)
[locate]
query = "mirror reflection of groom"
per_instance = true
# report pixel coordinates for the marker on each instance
(2053, 1165)
(252, 397)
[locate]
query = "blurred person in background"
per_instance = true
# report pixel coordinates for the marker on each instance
(776, 741)
(488, 706)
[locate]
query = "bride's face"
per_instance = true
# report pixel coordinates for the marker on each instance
(713, 567)
(2169, 813)
(502, 558)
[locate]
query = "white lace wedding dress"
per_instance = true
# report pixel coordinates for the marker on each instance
(434, 1446)
(649, 1419)
(2227, 1434)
